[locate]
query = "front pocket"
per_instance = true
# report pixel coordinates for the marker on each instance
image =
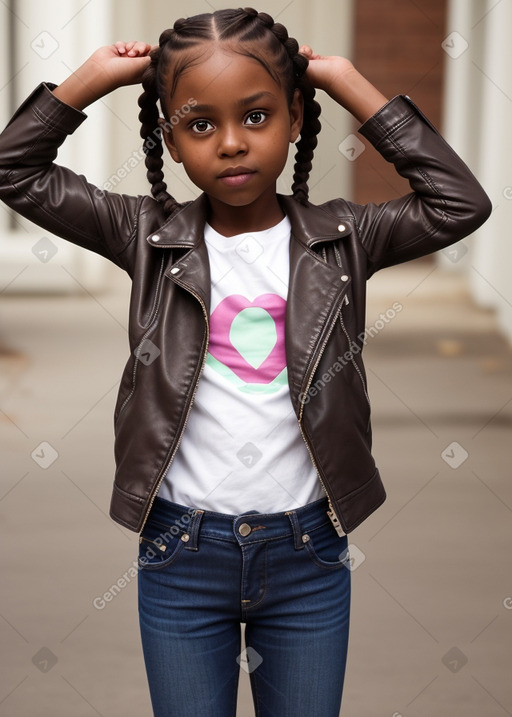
(159, 546)
(326, 548)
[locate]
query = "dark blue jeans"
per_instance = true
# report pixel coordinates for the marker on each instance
(284, 575)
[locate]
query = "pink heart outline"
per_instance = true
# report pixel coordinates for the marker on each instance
(221, 320)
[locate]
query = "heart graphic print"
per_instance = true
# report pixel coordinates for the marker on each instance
(247, 339)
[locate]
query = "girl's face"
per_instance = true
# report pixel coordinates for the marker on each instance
(234, 141)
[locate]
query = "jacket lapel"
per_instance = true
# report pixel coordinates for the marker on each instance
(315, 291)
(185, 230)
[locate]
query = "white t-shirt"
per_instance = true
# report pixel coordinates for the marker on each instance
(242, 448)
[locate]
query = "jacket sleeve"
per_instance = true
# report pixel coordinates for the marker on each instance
(446, 203)
(54, 197)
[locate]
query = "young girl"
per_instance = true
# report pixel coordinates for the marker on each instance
(242, 423)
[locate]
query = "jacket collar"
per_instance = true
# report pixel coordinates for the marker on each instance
(310, 224)
(316, 290)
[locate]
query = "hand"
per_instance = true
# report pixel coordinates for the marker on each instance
(122, 63)
(105, 70)
(324, 72)
(338, 77)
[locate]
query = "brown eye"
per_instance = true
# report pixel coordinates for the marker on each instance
(201, 126)
(256, 118)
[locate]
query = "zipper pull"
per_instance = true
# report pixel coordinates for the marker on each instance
(334, 520)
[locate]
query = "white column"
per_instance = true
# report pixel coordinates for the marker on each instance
(461, 102)
(490, 271)
(51, 40)
(477, 121)
(457, 78)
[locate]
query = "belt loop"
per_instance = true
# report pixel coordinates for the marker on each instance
(193, 530)
(297, 533)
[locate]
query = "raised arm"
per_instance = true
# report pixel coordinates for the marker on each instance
(52, 196)
(105, 70)
(446, 203)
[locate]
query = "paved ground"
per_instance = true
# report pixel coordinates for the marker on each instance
(432, 587)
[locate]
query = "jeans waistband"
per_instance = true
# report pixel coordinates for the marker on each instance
(245, 528)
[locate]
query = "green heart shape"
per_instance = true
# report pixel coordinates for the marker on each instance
(253, 334)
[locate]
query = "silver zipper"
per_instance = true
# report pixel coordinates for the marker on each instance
(347, 302)
(353, 361)
(164, 470)
(330, 512)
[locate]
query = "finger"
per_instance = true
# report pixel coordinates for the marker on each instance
(306, 50)
(134, 48)
(130, 48)
(138, 49)
(142, 48)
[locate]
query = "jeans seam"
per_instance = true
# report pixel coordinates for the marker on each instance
(264, 593)
(255, 695)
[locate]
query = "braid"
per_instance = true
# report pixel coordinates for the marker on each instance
(307, 143)
(311, 125)
(152, 136)
(266, 39)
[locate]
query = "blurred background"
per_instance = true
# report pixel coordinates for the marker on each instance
(432, 595)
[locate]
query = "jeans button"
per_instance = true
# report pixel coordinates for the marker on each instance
(244, 529)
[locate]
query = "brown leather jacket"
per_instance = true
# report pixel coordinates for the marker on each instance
(334, 249)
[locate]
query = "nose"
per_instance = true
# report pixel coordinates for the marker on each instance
(231, 141)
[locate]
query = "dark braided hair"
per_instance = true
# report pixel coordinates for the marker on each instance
(257, 36)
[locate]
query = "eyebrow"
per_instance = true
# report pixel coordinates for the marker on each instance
(243, 102)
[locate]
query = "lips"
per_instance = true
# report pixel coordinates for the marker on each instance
(235, 171)
(236, 176)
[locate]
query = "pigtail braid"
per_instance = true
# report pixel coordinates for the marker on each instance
(307, 143)
(311, 124)
(280, 56)
(152, 134)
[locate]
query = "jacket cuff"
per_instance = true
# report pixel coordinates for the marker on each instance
(391, 117)
(50, 109)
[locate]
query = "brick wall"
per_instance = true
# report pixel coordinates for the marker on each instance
(397, 46)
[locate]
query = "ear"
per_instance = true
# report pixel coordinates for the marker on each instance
(296, 115)
(168, 138)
